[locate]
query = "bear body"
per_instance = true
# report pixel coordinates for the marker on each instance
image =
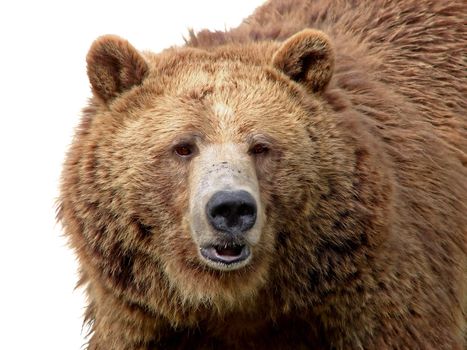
(298, 182)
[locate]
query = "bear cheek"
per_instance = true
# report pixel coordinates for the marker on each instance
(156, 192)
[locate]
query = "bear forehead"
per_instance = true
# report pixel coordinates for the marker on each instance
(222, 95)
(182, 70)
(225, 101)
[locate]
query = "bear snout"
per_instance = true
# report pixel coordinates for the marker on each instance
(231, 212)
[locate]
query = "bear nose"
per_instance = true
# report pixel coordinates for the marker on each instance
(232, 212)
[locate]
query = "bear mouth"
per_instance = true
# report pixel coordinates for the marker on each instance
(229, 254)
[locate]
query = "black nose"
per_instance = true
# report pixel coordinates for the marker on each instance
(232, 212)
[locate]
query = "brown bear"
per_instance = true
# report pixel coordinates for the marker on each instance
(298, 182)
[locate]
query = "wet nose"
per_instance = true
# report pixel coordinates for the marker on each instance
(233, 212)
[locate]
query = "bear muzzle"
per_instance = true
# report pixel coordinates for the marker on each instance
(225, 215)
(231, 214)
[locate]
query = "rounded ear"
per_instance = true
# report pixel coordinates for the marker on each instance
(307, 58)
(114, 66)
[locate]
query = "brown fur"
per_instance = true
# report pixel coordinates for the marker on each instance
(364, 186)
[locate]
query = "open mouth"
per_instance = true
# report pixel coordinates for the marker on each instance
(226, 254)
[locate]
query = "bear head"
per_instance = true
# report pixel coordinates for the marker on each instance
(190, 167)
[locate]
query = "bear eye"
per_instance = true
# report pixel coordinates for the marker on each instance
(184, 150)
(259, 148)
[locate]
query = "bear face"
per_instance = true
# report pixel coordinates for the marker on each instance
(192, 162)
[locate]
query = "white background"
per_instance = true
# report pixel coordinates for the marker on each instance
(43, 86)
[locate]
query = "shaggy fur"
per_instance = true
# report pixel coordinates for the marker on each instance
(364, 182)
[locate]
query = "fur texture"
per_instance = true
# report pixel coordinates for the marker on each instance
(363, 184)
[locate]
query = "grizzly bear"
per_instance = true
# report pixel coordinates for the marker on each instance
(298, 182)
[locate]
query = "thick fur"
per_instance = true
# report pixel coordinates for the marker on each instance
(365, 190)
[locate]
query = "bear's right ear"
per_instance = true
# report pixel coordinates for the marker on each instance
(114, 66)
(307, 58)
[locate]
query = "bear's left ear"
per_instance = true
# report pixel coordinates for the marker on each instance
(114, 66)
(307, 58)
